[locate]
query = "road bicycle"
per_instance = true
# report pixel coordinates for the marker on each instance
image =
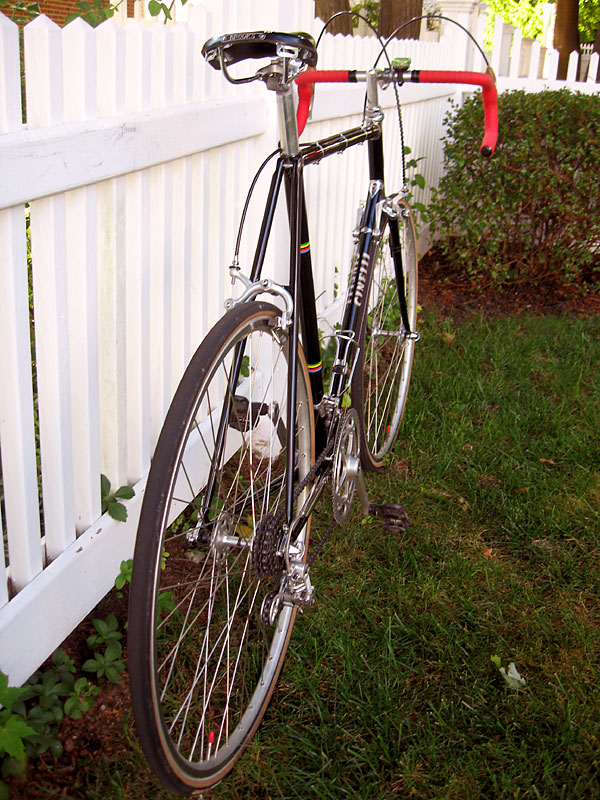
(253, 437)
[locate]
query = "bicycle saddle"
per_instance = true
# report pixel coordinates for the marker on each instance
(259, 44)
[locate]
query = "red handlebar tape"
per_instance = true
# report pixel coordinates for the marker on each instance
(305, 83)
(489, 97)
(306, 80)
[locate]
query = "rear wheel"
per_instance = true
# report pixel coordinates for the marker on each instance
(203, 659)
(381, 379)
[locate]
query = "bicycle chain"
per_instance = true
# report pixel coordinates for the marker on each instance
(307, 479)
(265, 561)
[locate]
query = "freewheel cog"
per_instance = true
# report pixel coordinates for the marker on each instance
(266, 562)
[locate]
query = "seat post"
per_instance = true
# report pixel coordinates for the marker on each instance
(288, 128)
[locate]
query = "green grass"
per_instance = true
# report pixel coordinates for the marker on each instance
(389, 689)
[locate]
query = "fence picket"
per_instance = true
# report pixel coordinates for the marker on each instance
(592, 75)
(572, 68)
(79, 78)
(21, 524)
(43, 64)
(182, 221)
(111, 62)
(137, 253)
(515, 54)
(19, 476)
(534, 60)
(551, 65)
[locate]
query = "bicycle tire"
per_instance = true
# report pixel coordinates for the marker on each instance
(381, 379)
(202, 662)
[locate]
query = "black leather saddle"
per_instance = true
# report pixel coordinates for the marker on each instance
(236, 47)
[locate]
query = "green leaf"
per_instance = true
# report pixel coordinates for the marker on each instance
(12, 733)
(56, 747)
(112, 672)
(420, 181)
(104, 487)
(154, 8)
(117, 511)
(12, 766)
(9, 694)
(124, 493)
(113, 651)
(124, 575)
(73, 708)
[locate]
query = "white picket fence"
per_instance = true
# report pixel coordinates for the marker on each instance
(134, 163)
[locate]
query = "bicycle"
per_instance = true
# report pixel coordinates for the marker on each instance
(251, 440)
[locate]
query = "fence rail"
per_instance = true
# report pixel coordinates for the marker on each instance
(124, 188)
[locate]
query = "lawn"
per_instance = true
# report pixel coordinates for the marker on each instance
(392, 685)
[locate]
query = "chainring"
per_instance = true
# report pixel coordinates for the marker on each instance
(346, 451)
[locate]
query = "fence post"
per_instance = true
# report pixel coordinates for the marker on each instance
(466, 12)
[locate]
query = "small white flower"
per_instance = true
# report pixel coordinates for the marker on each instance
(512, 677)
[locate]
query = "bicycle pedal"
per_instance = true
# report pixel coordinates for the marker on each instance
(393, 516)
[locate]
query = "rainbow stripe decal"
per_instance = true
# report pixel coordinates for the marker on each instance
(304, 248)
(315, 367)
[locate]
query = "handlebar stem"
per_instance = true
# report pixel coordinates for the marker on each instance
(373, 112)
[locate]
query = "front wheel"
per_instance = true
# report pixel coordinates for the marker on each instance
(203, 655)
(382, 375)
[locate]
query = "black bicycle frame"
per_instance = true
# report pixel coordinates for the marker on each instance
(301, 282)
(289, 170)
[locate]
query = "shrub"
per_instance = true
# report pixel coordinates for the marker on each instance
(531, 211)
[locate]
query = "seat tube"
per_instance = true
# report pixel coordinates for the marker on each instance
(288, 132)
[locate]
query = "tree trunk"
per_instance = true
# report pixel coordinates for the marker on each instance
(393, 13)
(324, 9)
(566, 33)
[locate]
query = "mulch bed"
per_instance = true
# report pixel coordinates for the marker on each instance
(455, 296)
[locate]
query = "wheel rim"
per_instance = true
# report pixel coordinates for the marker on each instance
(387, 352)
(215, 664)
